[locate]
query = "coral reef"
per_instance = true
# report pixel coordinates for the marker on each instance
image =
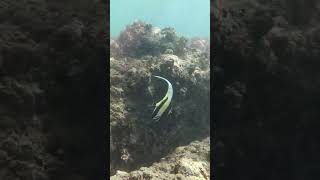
(136, 140)
(185, 162)
(265, 62)
(50, 82)
(140, 39)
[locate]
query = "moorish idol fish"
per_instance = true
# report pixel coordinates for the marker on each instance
(163, 105)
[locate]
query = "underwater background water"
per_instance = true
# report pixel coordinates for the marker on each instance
(190, 18)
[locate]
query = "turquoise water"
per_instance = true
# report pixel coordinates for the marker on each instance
(190, 18)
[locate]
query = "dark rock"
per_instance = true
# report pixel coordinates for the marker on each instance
(280, 21)
(3, 158)
(68, 35)
(7, 122)
(260, 23)
(18, 59)
(234, 94)
(26, 150)
(10, 146)
(39, 175)
(20, 96)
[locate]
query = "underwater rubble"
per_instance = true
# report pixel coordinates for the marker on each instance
(135, 139)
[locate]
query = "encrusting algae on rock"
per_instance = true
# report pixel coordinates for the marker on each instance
(186, 162)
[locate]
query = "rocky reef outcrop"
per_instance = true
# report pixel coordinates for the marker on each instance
(185, 162)
(135, 139)
(265, 67)
(51, 88)
(140, 39)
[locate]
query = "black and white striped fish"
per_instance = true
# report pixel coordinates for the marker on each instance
(163, 105)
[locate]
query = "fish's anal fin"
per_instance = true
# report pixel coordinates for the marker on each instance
(156, 118)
